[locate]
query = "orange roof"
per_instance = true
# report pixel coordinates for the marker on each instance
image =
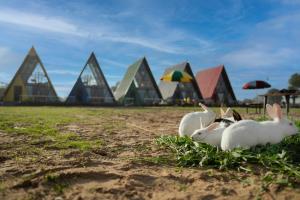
(207, 80)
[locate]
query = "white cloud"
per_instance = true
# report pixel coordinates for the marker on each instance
(8, 59)
(115, 77)
(4, 52)
(270, 43)
(113, 63)
(258, 56)
(63, 72)
(46, 23)
(4, 78)
(62, 90)
(144, 42)
(163, 39)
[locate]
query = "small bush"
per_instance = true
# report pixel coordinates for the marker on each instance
(281, 159)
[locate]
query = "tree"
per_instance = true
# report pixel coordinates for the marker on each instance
(294, 81)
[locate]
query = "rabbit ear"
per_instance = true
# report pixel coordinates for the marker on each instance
(203, 106)
(201, 125)
(277, 111)
(228, 112)
(222, 112)
(212, 126)
(236, 115)
(270, 111)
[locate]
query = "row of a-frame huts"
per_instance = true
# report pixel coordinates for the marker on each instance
(31, 85)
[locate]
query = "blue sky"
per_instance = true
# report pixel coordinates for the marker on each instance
(257, 39)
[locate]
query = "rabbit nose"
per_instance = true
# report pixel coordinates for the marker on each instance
(195, 136)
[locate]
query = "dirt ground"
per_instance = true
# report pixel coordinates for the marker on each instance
(127, 165)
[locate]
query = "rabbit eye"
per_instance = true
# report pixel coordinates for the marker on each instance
(290, 124)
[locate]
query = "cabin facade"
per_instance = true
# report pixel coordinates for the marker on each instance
(138, 86)
(31, 83)
(215, 86)
(176, 92)
(91, 87)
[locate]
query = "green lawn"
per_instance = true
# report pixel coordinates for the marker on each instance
(44, 129)
(43, 123)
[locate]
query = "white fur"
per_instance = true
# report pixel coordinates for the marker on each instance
(206, 135)
(191, 121)
(248, 133)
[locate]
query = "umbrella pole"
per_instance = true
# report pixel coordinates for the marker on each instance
(265, 104)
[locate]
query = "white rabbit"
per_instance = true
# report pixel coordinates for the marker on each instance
(191, 121)
(211, 135)
(248, 133)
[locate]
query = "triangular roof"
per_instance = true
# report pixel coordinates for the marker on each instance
(2, 89)
(168, 88)
(28, 68)
(97, 73)
(124, 85)
(208, 79)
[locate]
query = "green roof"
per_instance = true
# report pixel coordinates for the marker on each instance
(124, 85)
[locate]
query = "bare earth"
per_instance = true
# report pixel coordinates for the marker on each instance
(128, 165)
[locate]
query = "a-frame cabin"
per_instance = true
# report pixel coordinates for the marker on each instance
(91, 87)
(2, 89)
(138, 86)
(176, 92)
(215, 86)
(31, 83)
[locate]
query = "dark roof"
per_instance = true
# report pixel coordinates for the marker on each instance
(167, 89)
(2, 89)
(208, 79)
(78, 83)
(31, 54)
(124, 85)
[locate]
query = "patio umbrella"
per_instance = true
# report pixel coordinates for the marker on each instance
(177, 76)
(256, 85)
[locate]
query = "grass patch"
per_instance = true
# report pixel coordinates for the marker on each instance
(42, 125)
(161, 160)
(114, 126)
(279, 163)
(2, 186)
(75, 144)
(54, 181)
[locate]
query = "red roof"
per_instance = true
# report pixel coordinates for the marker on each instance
(207, 80)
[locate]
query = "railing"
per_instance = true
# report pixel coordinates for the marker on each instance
(151, 101)
(181, 101)
(128, 101)
(93, 100)
(38, 99)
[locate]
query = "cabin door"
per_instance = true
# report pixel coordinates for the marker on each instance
(17, 93)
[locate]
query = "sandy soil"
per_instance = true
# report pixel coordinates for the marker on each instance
(123, 168)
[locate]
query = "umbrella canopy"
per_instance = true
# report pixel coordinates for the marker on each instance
(288, 91)
(256, 85)
(177, 76)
